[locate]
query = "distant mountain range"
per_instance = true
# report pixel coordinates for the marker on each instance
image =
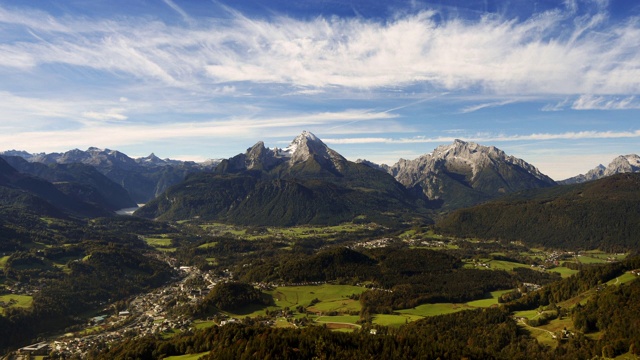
(622, 164)
(143, 178)
(306, 182)
(28, 193)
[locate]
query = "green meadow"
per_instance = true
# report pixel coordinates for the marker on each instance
(292, 233)
(21, 301)
(564, 271)
(187, 357)
(330, 299)
(3, 261)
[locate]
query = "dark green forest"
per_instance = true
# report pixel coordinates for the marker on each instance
(603, 214)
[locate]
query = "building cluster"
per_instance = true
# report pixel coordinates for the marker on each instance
(147, 314)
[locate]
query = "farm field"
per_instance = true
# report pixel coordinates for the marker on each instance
(564, 271)
(296, 232)
(426, 310)
(336, 295)
(187, 357)
(22, 301)
(160, 242)
(330, 298)
(3, 261)
(624, 278)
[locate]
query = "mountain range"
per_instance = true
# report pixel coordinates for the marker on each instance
(29, 193)
(306, 182)
(143, 178)
(465, 173)
(621, 164)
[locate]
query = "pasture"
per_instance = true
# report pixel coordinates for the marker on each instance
(13, 300)
(187, 357)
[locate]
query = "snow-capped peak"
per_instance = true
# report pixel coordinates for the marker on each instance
(306, 140)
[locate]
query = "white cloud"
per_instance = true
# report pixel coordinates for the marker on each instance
(473, 108)
(178, 9)
(549, 53)
(488, 138)
(114, 134)
(592, 102)
(110, 114)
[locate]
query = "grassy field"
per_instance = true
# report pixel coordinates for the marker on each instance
(529, 314)
(3, 261)
(394, 320)
(169, 334)
(349, 320)
(433, 309)
(159, 241)
(624, 278)
(505, 265)
(564, 271)
(492, 299)
(187, 357)
(426, 310)
(203, 324)
(542, 336)
(493, 264)
(336, 295)
(296, 232)
(208, 245)
(590, 259)
(332, 298)
(23, 301)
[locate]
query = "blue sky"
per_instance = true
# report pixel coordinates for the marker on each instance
(556, 83)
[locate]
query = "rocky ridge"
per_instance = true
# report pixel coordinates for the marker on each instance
(465, 173)
(621, 164)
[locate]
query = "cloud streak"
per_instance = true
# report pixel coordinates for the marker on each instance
(120, 133)
(580, 135)
(545, 54)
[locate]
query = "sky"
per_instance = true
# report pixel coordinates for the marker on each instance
(555, 83)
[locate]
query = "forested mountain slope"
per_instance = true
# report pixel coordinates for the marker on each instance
(602, 214)
(306, 183)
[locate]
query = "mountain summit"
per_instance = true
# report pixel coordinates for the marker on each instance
(621, 164)
(305, 148)
(307, 145)
(304, 183)
(465, 173)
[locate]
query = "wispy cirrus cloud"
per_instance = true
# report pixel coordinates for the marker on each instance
(592, 102)
(473, 108)
(544, 54)
(488, 138)
(114, 134)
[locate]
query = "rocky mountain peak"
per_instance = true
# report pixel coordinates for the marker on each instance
(464, 173)
(259, 157)
(621, 164)
(306, 145)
